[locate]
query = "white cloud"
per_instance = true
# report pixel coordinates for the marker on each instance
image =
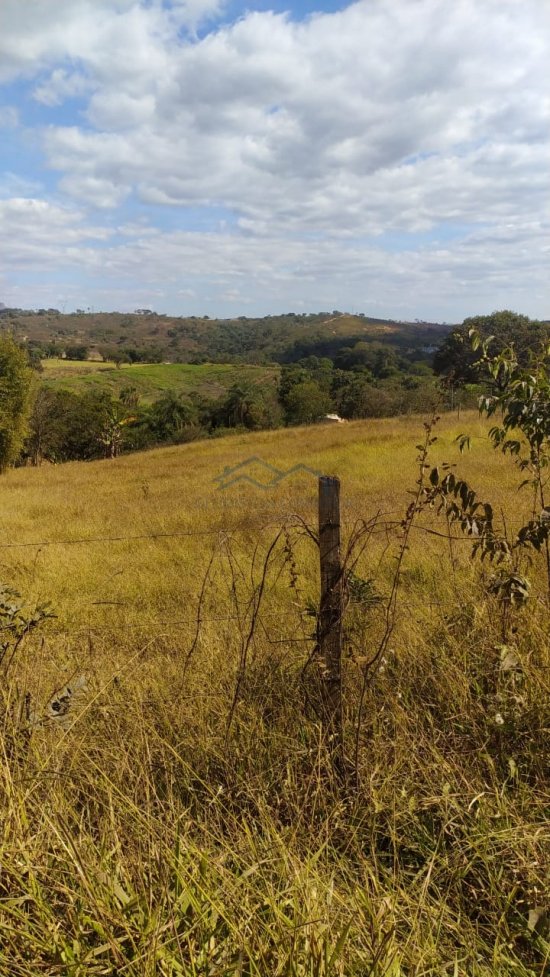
(39, 234)
(39, 33)
(320, 136)
(61, 85)
(215, 273)
(311, 125)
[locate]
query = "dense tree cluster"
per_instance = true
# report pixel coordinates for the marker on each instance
(457, 361)
(68, 426)
(288, 338)
(16, 383)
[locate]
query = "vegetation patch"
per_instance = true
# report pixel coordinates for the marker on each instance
(168, 801)
(218, 757)
(151, 379)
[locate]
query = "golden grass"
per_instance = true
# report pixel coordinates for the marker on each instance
(142, 837)
(57, 367)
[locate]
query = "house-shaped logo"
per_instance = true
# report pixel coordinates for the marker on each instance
(255, 471)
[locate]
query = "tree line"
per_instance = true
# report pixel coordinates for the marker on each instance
(272, 339)
(68, 426)
(365, 379)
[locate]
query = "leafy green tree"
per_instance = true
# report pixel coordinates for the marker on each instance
(240, 406)
(35, 360)
(119, 357)
(519, 396)
(510, 329)
(115, 422)
(68, 427)
(379, 358)
(129, 396)
(151, 354)
(134, 355)
(320, 369)
(76, 352)
(291, 375)
(455, 359)
(16, 391)
(307, 403)
(39, 441)
(458, 362)
(362, 398)
(247, 405)
(170, 414)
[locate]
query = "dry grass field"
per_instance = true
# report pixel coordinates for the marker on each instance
(168, 806)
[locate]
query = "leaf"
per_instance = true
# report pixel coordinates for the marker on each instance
(120, 893)
(538, 920)
(362, 591)
(449, 483)
(464, 442)
(509, 661)
(338, 947)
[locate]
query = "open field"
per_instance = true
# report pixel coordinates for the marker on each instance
(151, 379)
(176, 815)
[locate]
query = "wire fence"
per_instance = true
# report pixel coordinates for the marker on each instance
(40, 544)
(383, 517)
(131, 618)
(261, 605)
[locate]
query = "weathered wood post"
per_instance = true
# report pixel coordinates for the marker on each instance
(330, 618)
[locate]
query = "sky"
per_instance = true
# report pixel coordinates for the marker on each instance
(202, 157)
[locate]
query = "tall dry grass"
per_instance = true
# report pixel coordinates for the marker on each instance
(142, 835)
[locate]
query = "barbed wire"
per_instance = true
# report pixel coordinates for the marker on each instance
(113, 539)
(153, 625)
(232, 530)
(219, 531)
(158, 625)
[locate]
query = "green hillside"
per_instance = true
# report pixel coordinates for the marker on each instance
(149, 380)
(150, 337)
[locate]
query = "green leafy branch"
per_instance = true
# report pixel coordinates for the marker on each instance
(521, 396)
(16, 623)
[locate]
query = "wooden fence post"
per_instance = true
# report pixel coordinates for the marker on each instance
(330, 617)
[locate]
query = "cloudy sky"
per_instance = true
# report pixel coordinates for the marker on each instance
(206, 157)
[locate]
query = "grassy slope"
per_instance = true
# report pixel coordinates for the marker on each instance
(153, 844)
(174, 489)
(150, 380)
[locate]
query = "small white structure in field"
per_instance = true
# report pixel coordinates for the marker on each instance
(333, 419)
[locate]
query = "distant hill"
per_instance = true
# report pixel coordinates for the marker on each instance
(146, 336)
